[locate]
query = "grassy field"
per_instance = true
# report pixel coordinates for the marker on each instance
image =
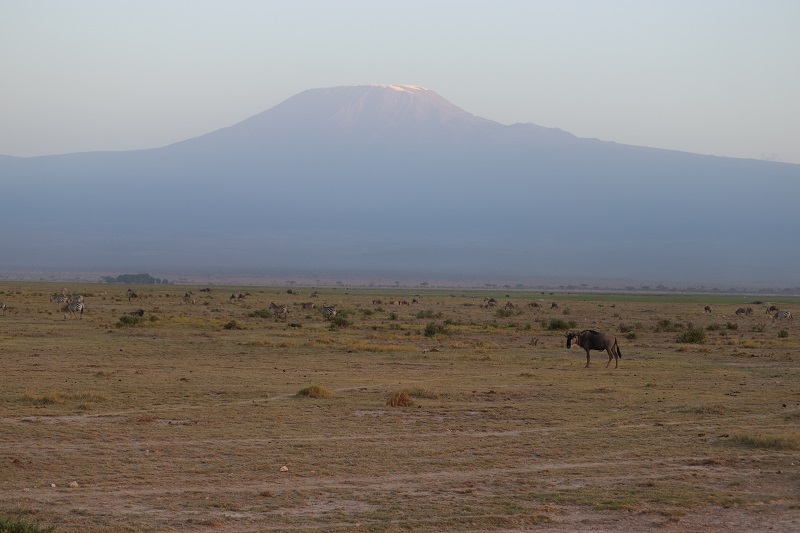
(440, 415)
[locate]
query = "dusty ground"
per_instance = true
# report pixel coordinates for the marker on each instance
(181, 424)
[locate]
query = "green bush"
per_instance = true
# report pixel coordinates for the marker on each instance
(428, 314)
(432, 328)
(732, 326)
(692, 335)
(8, 525)
(668, 326)
(783, 334)
(129, 321)
(261, 313)
(340, 321)
(233, 325)
(557, 323)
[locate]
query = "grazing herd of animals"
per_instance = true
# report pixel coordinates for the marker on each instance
(72, 305)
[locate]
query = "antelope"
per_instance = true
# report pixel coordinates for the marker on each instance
(591, 340)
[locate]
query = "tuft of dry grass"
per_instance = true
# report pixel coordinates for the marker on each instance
(314, 391)
(400, 399)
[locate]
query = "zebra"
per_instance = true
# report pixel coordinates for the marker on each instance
(132, 294)
(328, 311)
(279, 310)
(3, 307)
(72, 308)
(782, 314)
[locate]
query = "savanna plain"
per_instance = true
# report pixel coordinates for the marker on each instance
(212, 413)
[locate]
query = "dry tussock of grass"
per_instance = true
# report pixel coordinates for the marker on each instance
(379, 348)
(59, 398)
(314, 391)
(400, 399)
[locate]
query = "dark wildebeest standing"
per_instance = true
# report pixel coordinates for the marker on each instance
(707, 309)
(589, 339)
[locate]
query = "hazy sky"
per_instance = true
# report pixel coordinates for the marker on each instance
(711, 77)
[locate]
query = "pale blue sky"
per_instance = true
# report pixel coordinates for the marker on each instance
(711, 77)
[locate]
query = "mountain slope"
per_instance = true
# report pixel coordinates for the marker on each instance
(380, 179)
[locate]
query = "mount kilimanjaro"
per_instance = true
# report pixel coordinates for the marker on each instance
(388, 180)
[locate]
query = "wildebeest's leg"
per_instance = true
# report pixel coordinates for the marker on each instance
(610, 355)
(587, 359)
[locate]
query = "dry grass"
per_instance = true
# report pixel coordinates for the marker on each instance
(400, 399)
(182, 424)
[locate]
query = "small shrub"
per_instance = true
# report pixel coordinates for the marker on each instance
(428, 314)
(340, 321)
(129, 321)
(668, 326)
(783, 334)
(261, 313)
(432, 328)
(314, 391)
(713, 327)
(693, 335)
(557, 323)
(418, 392)
(770, 442)
(732, 326)
(232, 324)
(631, 335)
(295, 325)
(504, 313)
(625, 328)
(400, 399)
(392, 316)
(9, 525)
(759, 328)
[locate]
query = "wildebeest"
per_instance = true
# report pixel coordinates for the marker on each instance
(707, 309)
(308, 305)
(772, 309)
(589, 339)
(138, 312)
(553, 305)
(132, 294)
(744, 311)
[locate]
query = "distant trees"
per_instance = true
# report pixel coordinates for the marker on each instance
(139, 279)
